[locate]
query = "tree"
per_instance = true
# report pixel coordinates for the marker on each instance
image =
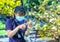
(7, 6)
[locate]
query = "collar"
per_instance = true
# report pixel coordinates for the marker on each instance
(17, 21)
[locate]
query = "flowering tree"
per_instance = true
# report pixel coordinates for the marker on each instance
(46, 19)
(7, 6)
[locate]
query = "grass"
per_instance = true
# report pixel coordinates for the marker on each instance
(2, 32)
(2, 26)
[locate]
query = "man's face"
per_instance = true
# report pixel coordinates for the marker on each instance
(19, 17)
(19, 14)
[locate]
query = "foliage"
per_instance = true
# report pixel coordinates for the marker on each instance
(46, 19)
(7, 6)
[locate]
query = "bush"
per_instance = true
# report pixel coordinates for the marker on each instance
(7, 6)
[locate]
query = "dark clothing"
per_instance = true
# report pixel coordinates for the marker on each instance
(11, 24)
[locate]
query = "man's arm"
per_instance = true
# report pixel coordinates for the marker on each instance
(11, 33)
(29, 27)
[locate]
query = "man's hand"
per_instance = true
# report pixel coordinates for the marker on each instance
(23, 26)
(29, 25)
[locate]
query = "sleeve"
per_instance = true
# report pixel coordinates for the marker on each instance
(8, 24)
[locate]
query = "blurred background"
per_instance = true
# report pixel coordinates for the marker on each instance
(44, 15)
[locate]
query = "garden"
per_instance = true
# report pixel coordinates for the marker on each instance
(44, 15)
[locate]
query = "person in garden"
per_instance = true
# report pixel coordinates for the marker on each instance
(16, 27)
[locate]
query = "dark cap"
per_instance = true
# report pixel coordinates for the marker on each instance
(20, 9)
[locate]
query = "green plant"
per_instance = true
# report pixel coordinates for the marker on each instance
(7, 6)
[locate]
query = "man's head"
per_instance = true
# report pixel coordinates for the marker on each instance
(19, 11)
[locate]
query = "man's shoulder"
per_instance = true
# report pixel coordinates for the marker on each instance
(10, 19)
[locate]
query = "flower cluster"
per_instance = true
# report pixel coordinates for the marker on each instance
(7, 6)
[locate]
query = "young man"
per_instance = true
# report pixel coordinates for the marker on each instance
(16, 27)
